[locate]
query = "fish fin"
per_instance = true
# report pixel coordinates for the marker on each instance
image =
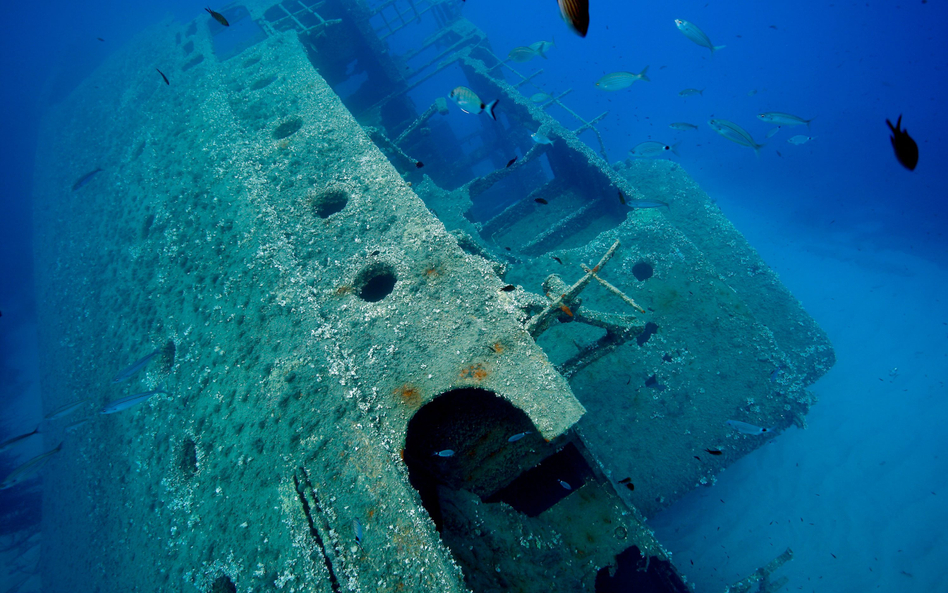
(642, 75)
(716, 48)
(674, 148)
(808, 122)
(489, 108)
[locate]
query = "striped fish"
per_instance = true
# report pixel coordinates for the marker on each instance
(130, 371)
(621, 80)
(29, 468)
(576, 15)
(783, 119)
(66, 410)
(734, 133)
(9, 443)
(132, 400)
(695, 34)
(522, 54)
(469, 102)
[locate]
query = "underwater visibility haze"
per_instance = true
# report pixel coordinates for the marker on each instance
(471, 295)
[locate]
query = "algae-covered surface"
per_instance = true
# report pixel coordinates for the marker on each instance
(307, 304)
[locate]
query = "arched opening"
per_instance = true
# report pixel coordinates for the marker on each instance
(468, 439)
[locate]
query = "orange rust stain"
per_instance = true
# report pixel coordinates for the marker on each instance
(370, 513)
(409, 395)
(475, 371)
(497, 347)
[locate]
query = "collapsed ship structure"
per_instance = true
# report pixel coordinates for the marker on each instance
(388, 366)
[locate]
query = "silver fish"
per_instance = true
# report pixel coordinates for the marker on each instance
(651, 148)
(745, 428)
(565, 485)
(517, 437)
(771, 132)
(26, 470)
(75, 425)
(522, 54)
(646, 204)
(800, 139)
(617, 81)
(469, 102)
(784, 119)
(444, 453)
(132, 369)
(695, 34)
(680, 125)
(9, 443)
(540, 138)
(132, 400)
(541, 97)
(66, 410)
(541, 47)
(690, 92)
(357, 530)
(734, 133)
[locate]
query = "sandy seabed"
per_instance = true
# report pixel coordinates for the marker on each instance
(860, 495)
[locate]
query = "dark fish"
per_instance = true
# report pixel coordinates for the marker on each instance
(621, 197)
(508, 288)
(419, 164)
(9, 443)
(576, 15)
(625, 480)
(100, 39)
(218, 17)
(905, 148)
(164, 77)
(630, 486)
(540, 201)
(85, 179)
(29, 468)
(511, 161)
(558, 260)
(714, 451)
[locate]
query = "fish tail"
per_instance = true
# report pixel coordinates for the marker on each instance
(489, 108)
(674, 148)
(812, 118)
(642, 75)
(715, 48)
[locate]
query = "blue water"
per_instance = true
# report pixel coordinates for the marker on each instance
(854, 235)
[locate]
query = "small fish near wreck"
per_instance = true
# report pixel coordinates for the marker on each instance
(132, 369)
(163, 77)
(692, 32)
(469, 102)
(906, 150)
(652, 149)
(734, 133)
(745, 428)
(784, 119)
(616, 81)
(218, 17)
(85, 179)
(11, 442)
(29, 468)
(132, 400)
(522, 54)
